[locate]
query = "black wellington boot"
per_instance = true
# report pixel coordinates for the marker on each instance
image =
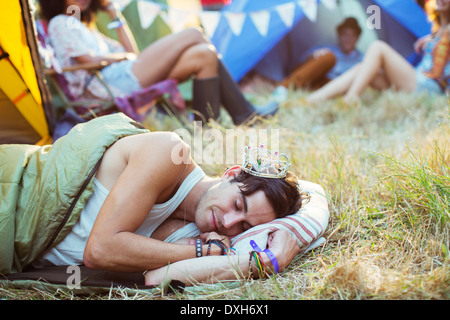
(234, 101)
(206, 98)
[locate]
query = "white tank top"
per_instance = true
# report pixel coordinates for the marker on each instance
(70, 250)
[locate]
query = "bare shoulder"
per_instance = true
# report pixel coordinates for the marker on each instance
(149, 154)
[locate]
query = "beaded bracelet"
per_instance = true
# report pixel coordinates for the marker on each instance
(198, 248)
(269, 253)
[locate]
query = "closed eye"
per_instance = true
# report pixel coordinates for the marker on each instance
(244, 201)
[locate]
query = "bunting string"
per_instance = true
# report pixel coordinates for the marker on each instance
(177, 18)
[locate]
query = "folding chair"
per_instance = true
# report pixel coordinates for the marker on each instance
(136, 105)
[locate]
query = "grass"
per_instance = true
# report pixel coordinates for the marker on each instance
(385, 166)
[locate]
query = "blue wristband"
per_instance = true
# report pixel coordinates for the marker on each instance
(117, 23)
(269, 254)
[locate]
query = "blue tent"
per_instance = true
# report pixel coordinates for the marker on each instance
(276, 53)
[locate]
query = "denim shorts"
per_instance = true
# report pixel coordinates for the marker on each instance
(425, 84)
(120, 75)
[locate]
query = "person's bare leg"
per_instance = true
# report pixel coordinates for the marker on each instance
(396, 70)
(158, 61)
(311, 71)
(335, 87)
(199, 60)
(381, 68)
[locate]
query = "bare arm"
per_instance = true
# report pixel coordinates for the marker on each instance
(110, 58)
(125, 36)
(218, 268)
(149, 177)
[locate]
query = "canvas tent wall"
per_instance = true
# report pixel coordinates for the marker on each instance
(295, 26)
(25, 113)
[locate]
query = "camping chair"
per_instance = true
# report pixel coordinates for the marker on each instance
(136, 106)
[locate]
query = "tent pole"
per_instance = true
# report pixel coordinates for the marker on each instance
(30, 30)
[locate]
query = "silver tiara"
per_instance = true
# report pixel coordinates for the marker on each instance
(261, 162)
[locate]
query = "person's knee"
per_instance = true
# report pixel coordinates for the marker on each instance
(202, 60)
(205, 53)
(327, 59)
(195, 34)
(378, 46)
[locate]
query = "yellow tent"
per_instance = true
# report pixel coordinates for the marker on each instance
(25, 110)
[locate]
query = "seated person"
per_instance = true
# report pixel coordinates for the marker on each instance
(322, 64)
(383, 68)
(178, 56)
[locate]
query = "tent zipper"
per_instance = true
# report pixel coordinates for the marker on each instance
(72, 206)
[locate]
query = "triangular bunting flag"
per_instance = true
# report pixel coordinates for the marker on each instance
(209, 20)
(287, 13)
(148, 11)
(330, 4)
(177, 19)
(123, 3)
(236, 21)
(309, 8)
(165, 16)
(261, 20)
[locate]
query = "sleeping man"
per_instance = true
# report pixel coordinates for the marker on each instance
(111, 196)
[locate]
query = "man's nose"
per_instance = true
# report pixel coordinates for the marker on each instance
(231, 218)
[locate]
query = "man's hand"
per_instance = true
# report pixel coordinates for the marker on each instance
(283, 246)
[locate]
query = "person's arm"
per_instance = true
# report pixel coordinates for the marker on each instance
(108, 59)
(218, 268)
(126, 39)
(148, 173)
(420, 43)
(124, 33)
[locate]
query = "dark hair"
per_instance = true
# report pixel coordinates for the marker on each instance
(283, 194)
(350, 23)
(433, 15)
(51, 8)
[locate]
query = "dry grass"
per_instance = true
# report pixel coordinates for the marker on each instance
(385, 166)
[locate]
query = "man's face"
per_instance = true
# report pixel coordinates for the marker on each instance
(347, 39)
(225, 210)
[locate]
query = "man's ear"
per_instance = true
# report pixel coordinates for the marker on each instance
(231, 172)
